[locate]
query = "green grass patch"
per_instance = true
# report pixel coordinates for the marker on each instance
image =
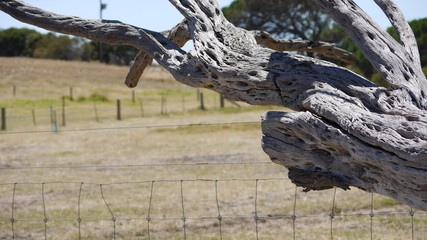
(94, 97)
(169, 92)
(386, 202)
(66, 154)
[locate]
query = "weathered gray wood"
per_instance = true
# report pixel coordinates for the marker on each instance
(398, 65)
(402, 27)
(327, 49)
(179, 35)
(348, 131)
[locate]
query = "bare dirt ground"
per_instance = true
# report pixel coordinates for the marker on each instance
(127, 171)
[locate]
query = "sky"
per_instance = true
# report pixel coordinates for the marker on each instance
(159, 15)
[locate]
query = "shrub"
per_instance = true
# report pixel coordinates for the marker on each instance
(94, 97)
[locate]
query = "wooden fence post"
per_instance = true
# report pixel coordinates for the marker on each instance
(33, 113)
(221, 101)
(163, 107)
(3, 119)
(95, 109)
(141, 107)
(165, 102)
(202, 102)
(133, 96)
(14, 90)
(71, 94)
(63, 111)
(119, 111)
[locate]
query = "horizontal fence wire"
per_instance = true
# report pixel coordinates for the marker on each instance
(150, 181)
(223, 217)
(132, 127)
(138, 165)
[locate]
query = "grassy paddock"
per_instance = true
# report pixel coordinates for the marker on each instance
(133, 165)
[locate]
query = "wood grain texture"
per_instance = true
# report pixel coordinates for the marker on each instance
(346, 132)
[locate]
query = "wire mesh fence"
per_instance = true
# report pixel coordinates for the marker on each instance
(235, 208)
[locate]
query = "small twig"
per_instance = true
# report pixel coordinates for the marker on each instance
(406, 35)
(324, 48)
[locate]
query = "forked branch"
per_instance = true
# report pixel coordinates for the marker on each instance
(397, 64)
(179, 35)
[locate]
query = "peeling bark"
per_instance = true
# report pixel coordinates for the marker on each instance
(348, 131)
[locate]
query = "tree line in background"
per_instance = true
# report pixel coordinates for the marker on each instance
(301, 19)
(293, 19)
(25, 42)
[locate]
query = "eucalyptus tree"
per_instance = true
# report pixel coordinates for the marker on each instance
(346, 131)
(18, 42)
(298, 19)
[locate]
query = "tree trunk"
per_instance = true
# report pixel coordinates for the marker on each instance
(346, 131)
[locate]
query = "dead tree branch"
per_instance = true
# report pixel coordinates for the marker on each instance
(178, 35)
(324, 48)
(398, 66)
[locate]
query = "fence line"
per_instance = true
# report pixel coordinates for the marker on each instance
(150, 181)
(43, 112)
(133, 127)
(112, 110)
(223, 217)
(139, 165)
(257, 217)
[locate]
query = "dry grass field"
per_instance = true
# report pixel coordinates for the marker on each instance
(183, 163)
